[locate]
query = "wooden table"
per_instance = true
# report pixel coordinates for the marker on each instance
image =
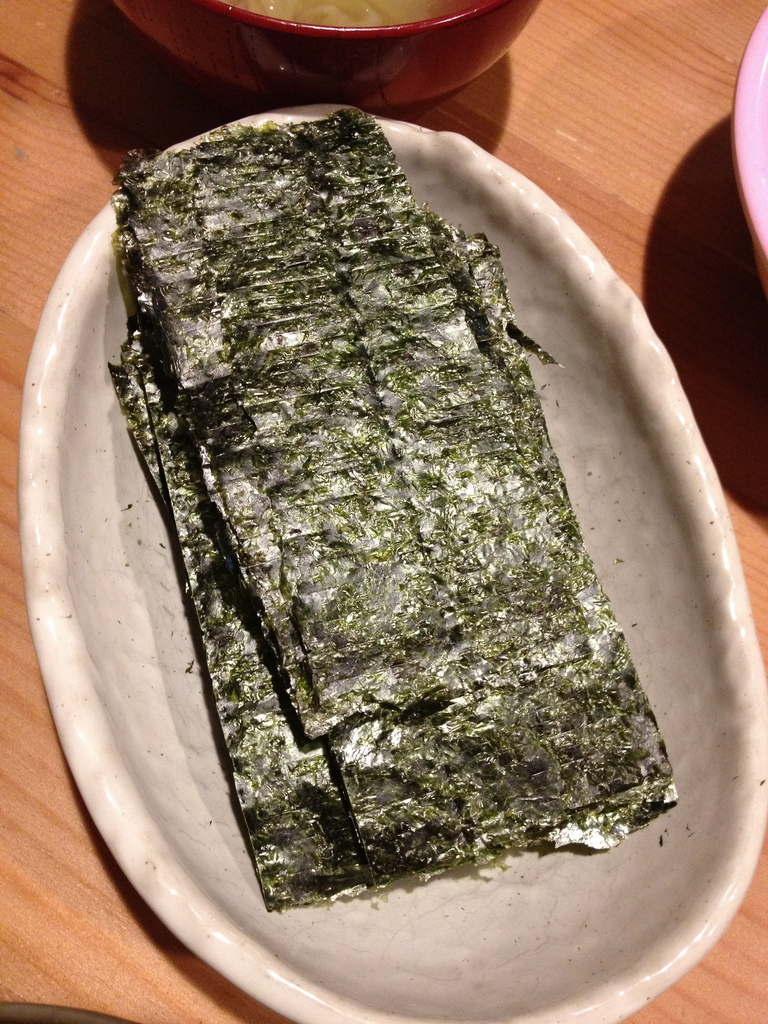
(620, 111)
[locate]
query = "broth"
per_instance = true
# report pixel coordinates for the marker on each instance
(360, 13)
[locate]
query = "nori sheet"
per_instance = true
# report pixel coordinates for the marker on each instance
(369, 433)
(302, 835)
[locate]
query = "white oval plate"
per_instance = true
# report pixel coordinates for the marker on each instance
(562, 937)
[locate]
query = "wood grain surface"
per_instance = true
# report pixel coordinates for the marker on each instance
(620, 110)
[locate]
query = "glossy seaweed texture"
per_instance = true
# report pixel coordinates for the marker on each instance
(375, 526)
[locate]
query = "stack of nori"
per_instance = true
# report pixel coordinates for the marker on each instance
(414, 663)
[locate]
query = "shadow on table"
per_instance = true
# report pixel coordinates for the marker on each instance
(479, 110)
(704, 299)
(125, 98)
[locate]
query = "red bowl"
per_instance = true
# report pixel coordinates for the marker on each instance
(249, 62)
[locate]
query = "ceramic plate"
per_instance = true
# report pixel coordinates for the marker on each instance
(561, 937)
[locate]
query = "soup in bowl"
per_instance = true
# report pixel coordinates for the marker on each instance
(353, 13)
(382, 55)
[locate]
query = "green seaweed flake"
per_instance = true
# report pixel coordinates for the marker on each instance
(303, 838)
(358, 394)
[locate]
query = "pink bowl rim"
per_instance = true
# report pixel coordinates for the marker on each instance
(750, 130)
(472, 10)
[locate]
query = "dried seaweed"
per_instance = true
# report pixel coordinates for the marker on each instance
(357, 395)
(303, 837)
